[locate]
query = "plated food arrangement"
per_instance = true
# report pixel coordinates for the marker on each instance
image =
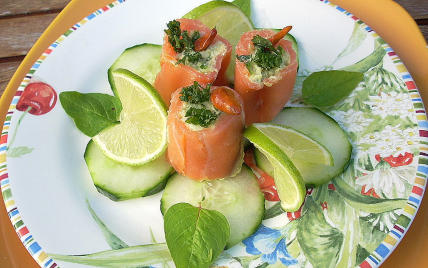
(211, 145)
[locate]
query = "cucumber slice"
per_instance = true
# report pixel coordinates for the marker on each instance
(322, 128)
(238, 198)
(143, 60)
(122, 182)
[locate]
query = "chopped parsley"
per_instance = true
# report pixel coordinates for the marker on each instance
(196, 93)
(200, 116)
(182, 42)
(199, 112)
(266, 56)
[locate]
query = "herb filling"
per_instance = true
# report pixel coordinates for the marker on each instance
(208, 58)
(198, 109)
(183, 44)
(265, 61)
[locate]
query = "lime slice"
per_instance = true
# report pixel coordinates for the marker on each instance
(296, 144)
(229, 20)
(141, 134)
(289, 183)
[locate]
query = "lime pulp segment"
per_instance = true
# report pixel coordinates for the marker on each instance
(141, 134)
(296, 144)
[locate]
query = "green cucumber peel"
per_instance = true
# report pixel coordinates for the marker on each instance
(195, 236)
(91, 112)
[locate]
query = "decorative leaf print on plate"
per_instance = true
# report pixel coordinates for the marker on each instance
(357, 38)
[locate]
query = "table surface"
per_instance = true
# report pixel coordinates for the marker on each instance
(22, 22)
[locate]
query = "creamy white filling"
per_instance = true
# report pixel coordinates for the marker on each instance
(209, 57)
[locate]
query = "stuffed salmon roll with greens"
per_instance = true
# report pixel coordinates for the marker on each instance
(191, 52)
(265, 73)
(205, 132)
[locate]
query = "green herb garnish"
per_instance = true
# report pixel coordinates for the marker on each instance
(195, 93)
(201, 116)
(91, 112)
(266, 56)
(182, 42)
(325, 88)
(189, 235)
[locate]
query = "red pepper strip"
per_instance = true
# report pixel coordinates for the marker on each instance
(205, 41)
(266, 182)
(279, 35)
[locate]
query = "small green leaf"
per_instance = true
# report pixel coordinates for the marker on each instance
(91, 112)
(195, 236)
(245, 5)
(326, 88)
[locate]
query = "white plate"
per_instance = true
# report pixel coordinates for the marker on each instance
(48, 190)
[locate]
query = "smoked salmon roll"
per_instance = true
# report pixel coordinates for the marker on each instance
(191, 52)
(265, 73)
(205, 132)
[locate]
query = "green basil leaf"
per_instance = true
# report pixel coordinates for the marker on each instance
(91, 112)
(245, 5)
(195, 236)
(326, 88)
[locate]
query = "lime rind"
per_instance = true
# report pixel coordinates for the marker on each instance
(288, 180)
(140, 137)
(296, 144)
